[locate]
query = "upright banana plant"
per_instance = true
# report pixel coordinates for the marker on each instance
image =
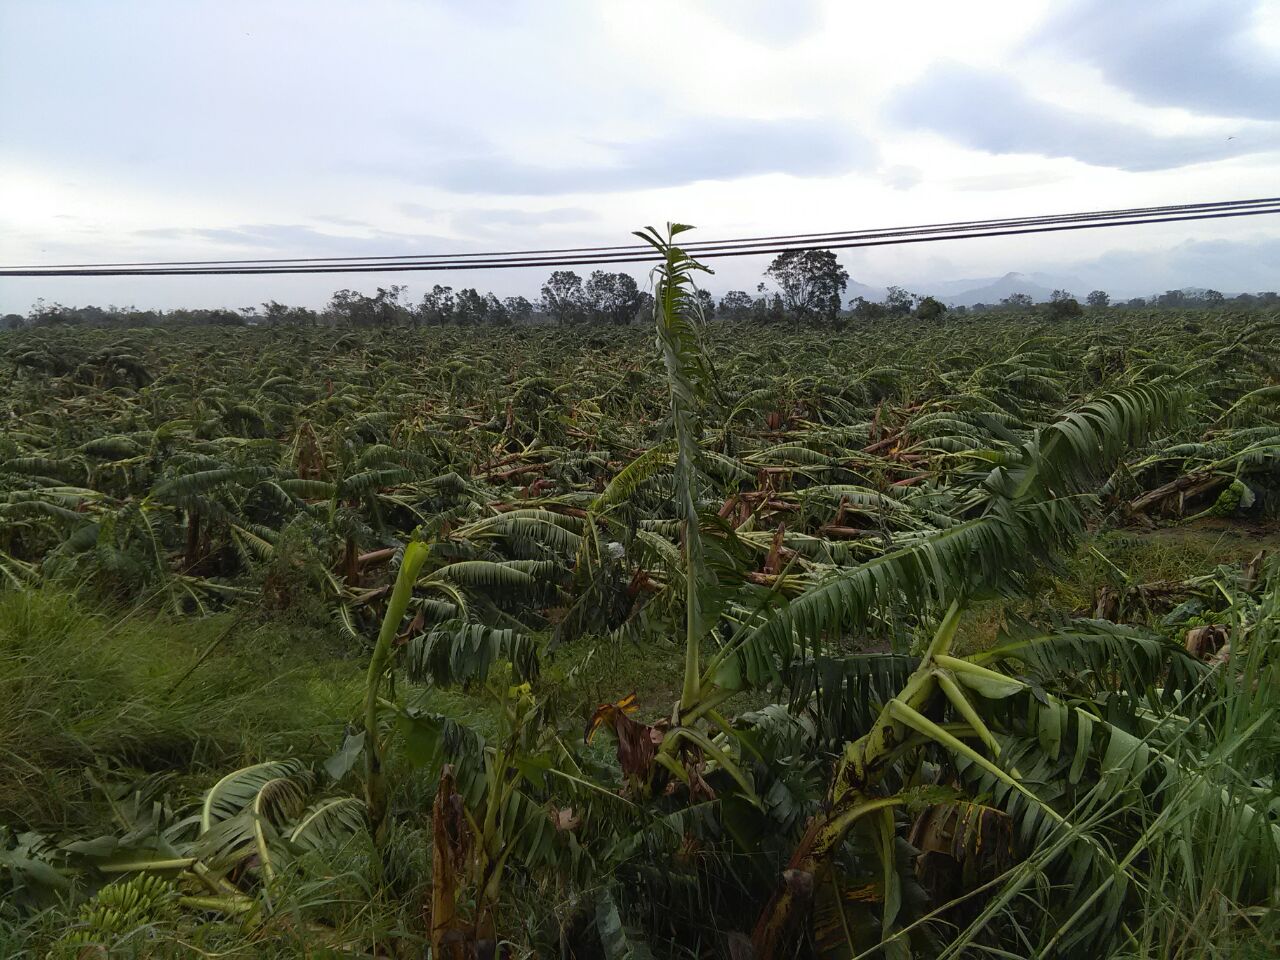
(685, 745)
(1030, 505)
(375, 783)
(677, 315)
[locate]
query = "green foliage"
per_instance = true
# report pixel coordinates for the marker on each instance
(524, 529)
(1063, 306)
(82, 691)
(930, 308)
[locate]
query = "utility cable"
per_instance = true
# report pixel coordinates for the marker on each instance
(637, 253)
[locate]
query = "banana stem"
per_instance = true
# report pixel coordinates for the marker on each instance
(415, 555)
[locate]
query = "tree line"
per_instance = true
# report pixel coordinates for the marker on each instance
(800, 287)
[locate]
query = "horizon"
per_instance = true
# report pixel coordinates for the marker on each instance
(1037, 287)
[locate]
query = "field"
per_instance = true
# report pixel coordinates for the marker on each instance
(913, 639)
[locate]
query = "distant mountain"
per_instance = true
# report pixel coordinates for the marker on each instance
(1038, 286)
(996, 290)
(856, 289)
(991, 290)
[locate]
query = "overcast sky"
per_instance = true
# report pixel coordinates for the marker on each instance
(179, 129)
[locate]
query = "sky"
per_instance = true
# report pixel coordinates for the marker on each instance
(181, 129)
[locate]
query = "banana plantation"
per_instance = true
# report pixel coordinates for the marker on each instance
(694, 639)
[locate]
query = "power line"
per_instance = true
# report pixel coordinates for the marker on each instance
(620, 249)
(1008, 228)
(638, 253)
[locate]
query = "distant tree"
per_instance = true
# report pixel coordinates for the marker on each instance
(644, 312)
(867, 310)
(1136, 302)
(277, 314)
(1098, 299)
(898, 302)
(383, 309)
(563, 298)
(44, 314)
(735, 304)
(707, 303)
(47, 314)
(1172, 298)
(960, 310)
(389, 307)
(349, 308)
(1213, 298)
(219, 318)
(469, 308)
(518, 309)
(611, 297)
(811, 283)
(436, 308)
(13, 321)
(1018, 301)
(767, 306)
(1063, 306)
(930, 308)
(495, 311)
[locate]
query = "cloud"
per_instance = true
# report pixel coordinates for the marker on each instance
(1012, 180)
(1232, 266)
(340, 220)
(767, 21)
(710, 149)
(298, 240)
(485, 217)
(501, 221)
(451, 122)
(419, 211)
(901, 176)
(989, 111)
(1205, 57)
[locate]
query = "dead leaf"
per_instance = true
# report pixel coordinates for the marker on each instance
(1204, 642)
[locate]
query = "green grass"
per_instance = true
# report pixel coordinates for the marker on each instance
(114, 693)
(111, 692)
(1124, 557)
(1183, 551)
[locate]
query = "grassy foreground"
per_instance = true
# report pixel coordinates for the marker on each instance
(91, 698)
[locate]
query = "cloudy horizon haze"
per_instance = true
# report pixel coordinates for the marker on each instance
(136, 130)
